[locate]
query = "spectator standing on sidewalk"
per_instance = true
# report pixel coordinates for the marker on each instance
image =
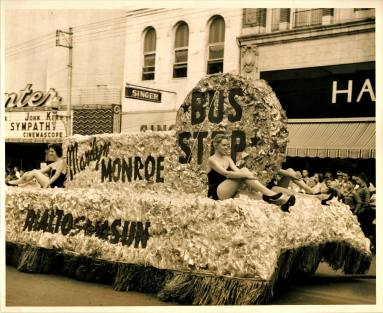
(351, 197)
(363, 210)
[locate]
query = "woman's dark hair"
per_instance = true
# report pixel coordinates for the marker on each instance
(57, 148)
(218, 139)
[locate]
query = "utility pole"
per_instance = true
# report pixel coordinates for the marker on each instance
(65, 39)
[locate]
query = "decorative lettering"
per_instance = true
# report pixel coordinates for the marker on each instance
(136, 232)
(27, 97)
(123, 169)
(77, 163)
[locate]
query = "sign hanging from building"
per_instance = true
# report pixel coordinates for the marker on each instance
(338, 91)
(142, 94)
(145, 108)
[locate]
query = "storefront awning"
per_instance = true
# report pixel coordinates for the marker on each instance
(332, 140)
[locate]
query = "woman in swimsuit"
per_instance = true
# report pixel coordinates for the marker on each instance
(57, 171)
(289, 176)
(225, 177)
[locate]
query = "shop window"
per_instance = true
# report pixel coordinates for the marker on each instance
(307, 17)
(181, 44)
(216, 46)
(148, 69)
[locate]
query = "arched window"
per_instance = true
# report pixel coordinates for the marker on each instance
(181, 43)
(149, 67)
(216, 45)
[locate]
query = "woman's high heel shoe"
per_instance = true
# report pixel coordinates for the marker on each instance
(271, 199)
(325, 201)
(290, 202)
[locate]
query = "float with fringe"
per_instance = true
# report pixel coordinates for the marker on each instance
(187, 287)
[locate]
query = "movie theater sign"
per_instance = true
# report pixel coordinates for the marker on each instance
(29, 118)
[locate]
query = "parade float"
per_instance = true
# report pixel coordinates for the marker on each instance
(134, 211)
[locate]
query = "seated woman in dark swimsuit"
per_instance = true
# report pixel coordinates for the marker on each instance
(225, 177)
(57, 170)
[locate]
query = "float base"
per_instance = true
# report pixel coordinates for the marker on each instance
(187, 287)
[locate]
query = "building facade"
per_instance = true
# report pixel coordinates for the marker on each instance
(319, 61)
(167, 52)
(133, 69)
(321, 64)
(36, 72)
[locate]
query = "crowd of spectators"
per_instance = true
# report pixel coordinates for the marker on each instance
(353, 189)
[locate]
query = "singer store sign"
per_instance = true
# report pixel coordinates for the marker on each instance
(39, 125)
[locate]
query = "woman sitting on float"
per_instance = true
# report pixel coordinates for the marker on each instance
(225, 177)
(57, 170)
(290, 176)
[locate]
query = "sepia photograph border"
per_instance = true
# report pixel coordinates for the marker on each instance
(102, 4)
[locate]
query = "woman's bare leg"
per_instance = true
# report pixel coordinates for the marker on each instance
(256, 185)
(41, 178)
(290, 193)
(28, 176)
(303, 186)
(228, 188)
(278, 189)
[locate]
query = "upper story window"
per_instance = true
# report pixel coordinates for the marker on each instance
(181, 43)
(216, 45)
(364, 13)
(254, 18)
(149, 67)
(307, 17)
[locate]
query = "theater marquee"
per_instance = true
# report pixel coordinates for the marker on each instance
(34, 125)
(29, 117)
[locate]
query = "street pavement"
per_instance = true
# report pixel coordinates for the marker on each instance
(325, 287)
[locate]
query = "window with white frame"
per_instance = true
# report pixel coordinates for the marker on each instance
(181, 43)
(149, 66)
(216, 45)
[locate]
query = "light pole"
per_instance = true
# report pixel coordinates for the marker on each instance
(65, 39)
(55, 105)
